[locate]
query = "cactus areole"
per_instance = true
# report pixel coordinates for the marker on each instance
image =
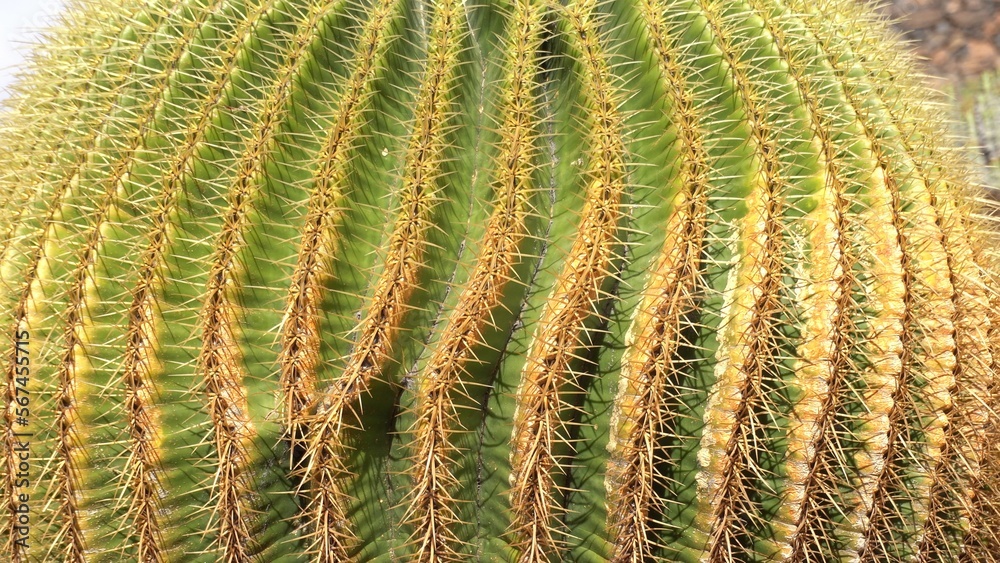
(513, 280)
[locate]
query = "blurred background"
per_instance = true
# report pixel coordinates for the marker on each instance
(959, 39)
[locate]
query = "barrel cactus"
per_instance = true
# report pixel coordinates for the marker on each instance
(403, 280)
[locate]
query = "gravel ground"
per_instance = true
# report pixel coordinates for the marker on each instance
(958, 38)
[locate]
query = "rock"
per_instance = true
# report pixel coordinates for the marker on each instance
(970, 18)
(922, 18)
(991, 29)
(938, 59)
(978, 56)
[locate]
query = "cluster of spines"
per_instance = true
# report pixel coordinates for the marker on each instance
(661, 327)
(220, 355)
(740, 411)
(431, 507)
(539, 429)
(888, 291)
(924, 349)
(143, 463)
(825, 359)
(904, 411)
(83, 69)
(66, 487)
(300, 340)
(90, 60)
(142, 427)
(959, 401)
(952, 384)
(337, 411)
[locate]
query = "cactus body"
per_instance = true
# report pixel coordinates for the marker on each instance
(394, 280)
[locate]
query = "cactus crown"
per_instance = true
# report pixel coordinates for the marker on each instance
(518, 280)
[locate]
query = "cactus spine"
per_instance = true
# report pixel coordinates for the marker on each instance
(385, 280)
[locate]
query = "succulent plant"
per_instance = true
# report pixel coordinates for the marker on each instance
(401, 280)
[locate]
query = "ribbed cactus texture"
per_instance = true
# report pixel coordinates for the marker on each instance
(514, 280)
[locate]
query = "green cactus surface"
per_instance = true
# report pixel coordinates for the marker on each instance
(512, 280)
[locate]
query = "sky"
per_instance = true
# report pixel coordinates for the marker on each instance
(17, 20)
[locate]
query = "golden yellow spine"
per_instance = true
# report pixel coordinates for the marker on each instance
(538, 427)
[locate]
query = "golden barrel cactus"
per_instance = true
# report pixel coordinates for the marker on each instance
(513, 280)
